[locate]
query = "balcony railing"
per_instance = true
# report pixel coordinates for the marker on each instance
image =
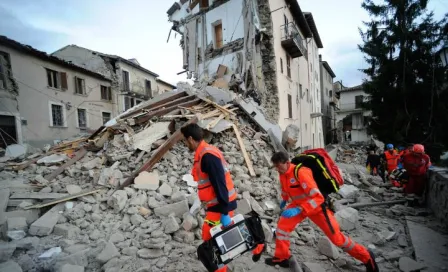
(350, 106)
(292, 42)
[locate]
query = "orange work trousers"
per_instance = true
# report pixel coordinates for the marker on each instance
(287, 225)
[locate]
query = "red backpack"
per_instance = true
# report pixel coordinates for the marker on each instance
(325, 172)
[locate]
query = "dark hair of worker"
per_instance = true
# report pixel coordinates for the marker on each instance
(194, 131)
(279, 157)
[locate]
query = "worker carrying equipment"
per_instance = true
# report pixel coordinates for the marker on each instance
(399, 177)
(299, 185)
(391, 158)
(416, 163)
(229, 243)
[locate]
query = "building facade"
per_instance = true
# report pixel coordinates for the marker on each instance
(131, 83)
(270, 45)
(44, 98)
(351, 118)
(330, 102)
(163, 86)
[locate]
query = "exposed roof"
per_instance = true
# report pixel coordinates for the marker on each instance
(26, 49)
(128, 62)
(166, 83)
(313, 27)
(173, 8)
(352, 89)
(328, 68)
(299, 17)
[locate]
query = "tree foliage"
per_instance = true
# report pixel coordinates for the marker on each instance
(405, 79)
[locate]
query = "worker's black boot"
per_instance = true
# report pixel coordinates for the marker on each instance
(371, 265)
(275, 261)
(256, 257)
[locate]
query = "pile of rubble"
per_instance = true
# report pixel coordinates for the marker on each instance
(352, 153)
(123, 199)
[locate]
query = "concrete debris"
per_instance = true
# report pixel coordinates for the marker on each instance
(189, 222)
(71, 268)
(290, 136)
(171, 225)
(109, 252)
(243, 206)
(178, 208)
(10, 266)
(165, 190)
(312, 267)
(407, 264)
(118, 200)
(327, 248)
(45, 224)
(147, 181)
(348, 191)
(6, 251)
(347, 218)
(393, 255)
(53, 159)
(54, 251)
(15, 151)
(73, 189)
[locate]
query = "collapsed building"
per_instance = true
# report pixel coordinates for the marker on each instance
(122, 198)
(266, 50)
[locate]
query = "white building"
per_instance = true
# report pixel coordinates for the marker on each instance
(330, 101)
(44, 98)
(351, 118)
(270, 45)
(131, 83)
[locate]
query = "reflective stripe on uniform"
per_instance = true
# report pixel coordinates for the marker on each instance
(312, 203)
(302, 196)
(282, 238)
(313, 191)
(348, 244)
(279, 231)
(215, 200)
(213, 223)
(203, 181)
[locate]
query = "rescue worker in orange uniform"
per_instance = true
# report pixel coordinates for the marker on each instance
(306, 201)
(416, 164)
(391, 158)
(215, 186)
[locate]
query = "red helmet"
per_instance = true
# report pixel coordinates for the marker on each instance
(418, 148)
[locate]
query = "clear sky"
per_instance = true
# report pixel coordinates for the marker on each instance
(139, 29)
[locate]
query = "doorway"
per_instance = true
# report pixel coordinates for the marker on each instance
(8, 130)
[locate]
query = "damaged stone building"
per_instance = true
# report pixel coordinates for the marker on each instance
(330, 102)
(351, 118)
(269, 50)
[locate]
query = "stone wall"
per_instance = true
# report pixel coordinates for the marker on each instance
(437, 194)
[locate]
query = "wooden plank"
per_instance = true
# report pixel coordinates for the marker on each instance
(218, 106)
(213, 123)
(63, 199)
(221, 71)
(363, 205)
(158, 154)
(81, 153)
(173, 102)
(164, 111)
(213, 112)
(36, 195)
(28, 163)
(243, 150)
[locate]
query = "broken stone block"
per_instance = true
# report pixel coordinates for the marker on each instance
(312, 267)
(171, 225)
(6, 251)
(27, 243)
(147, 181)
(45, 224)
(178, 208)
(130, 251)
(189, 222)
(146, 253)
(347, 218)
(402, 241)
(71, 268)
(255, 206)
(109, 252)
(4, 198)
(380, 238)
(67, 231)
(269, 205)
(348, 191)
(327, 248)
(178, 196)
(73, 189)
(393, 255)
(407, 264)
(243, 206)
(144, 211)
(10, 266)
(17, 223)
(90, 164)
(137, 219)
(165, 189)
(268, 235)
(117, 200)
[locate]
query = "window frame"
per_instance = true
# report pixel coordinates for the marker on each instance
(123, 81)
(288, 66)
(108, 93)
(83, 81)
(150, 93)
(64, 114)
(53, 75)
(281, 65)
(86, 116)
(102, 116)
(215, 25)
(5, 71)
(290, 106)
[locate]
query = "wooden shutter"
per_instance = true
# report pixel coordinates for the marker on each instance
(218, 35)
(289, 106)
(64, 85)
(109, 94)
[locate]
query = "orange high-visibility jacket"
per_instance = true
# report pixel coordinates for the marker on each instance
(302, 190)
(391, 160)
(206, 192)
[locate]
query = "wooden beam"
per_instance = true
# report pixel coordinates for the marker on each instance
(36, 195)
(363, 205)
(243, 150)
(173, 102)
(62, 199)
(28, 163)
(81, 153)
(164, 111)
(213, 123)
(158, 154)
(223, 109)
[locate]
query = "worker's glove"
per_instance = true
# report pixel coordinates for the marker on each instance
(291, 212)
(282, 204)
(225, 220)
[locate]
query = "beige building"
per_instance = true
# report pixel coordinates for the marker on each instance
(131, 83)
(163, 86)
(270, 44)
(330, 101)
(44, 98)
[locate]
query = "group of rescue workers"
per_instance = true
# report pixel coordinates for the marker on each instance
(403, 167)
(301, 198)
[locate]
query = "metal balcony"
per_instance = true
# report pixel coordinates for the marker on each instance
(292, 42)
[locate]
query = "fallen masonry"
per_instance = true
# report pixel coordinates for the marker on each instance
(122, 203)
